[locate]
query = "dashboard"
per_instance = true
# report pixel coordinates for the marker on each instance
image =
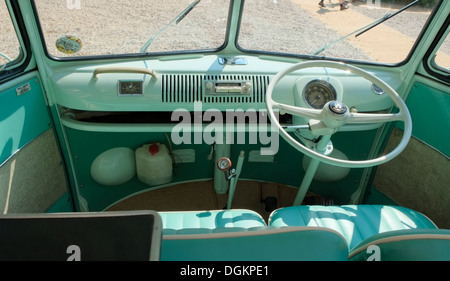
(141, 88)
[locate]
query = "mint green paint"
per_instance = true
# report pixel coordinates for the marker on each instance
(63, 204)
(430, 113)
(22, 118)
(85, 146)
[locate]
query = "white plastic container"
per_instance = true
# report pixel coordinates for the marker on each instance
(153, 164)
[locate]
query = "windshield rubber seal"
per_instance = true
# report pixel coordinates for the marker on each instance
(431, 51)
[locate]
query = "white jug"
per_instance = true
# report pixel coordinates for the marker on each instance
(153, 164)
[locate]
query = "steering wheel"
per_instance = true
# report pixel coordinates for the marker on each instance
(336, 114)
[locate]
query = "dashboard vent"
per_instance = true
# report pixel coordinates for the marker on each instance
(190, 88)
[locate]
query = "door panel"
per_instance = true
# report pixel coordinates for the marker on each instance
(31, 171)
(430, 112)
(419, 178)
(22, 107)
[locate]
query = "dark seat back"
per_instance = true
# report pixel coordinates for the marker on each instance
(103, 236)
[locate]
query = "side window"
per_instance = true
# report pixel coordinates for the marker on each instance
(442, 56)
(10, 51)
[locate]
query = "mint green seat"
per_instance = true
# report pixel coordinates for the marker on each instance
(405, 245)
(201, 221)
(256, 244)
(354, 222)
(242, 235)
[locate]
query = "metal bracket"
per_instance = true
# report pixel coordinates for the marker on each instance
(233, 61)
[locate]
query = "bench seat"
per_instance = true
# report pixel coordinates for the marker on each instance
(354, 222)
(242, 235)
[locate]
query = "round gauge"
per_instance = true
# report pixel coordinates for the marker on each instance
(224, 164)
(318, 92)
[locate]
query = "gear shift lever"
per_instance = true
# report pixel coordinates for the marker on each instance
(224, 165)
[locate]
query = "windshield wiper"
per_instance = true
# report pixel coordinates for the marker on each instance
(365, 28)
(177, 19)
(3, 66)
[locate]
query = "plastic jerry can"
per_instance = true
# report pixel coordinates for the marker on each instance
(153, 164)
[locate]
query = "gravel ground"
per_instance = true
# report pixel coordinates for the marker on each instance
(406, 22)
(312, 34)
(8, 39)
(58, 21)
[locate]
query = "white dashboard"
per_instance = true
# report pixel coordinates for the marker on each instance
(181, 82)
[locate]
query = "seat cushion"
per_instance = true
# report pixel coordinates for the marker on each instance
(180, 222)
(354, 222)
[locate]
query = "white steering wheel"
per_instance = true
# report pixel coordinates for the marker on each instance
(336, 114)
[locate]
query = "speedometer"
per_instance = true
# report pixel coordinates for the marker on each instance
(318, 92)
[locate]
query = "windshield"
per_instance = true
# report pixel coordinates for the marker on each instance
(9, 44)
(111, 27)
(305, 27)
(286, 27)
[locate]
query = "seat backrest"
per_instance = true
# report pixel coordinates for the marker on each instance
(210, 219)
(405, 245)
(354, 222)
(85, 236)
(255, 244)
